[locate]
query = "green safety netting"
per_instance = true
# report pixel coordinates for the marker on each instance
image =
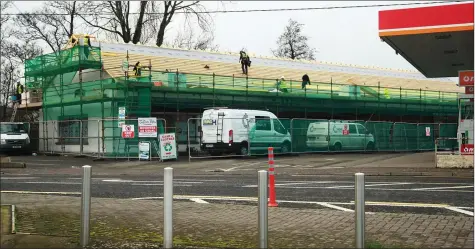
(67, 95)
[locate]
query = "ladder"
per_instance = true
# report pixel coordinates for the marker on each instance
(15, 107)
(219, 126)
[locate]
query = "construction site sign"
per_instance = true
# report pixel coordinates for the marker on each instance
(144, 151)
(121, 116)
(147, 127)
(168, 146)
(128, 131)
(427, 131)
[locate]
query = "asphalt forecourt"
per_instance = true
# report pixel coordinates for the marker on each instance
(426, 195)
(421, 164)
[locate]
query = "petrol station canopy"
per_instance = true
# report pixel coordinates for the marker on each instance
(436, 40)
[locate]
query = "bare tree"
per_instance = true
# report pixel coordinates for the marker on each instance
(67, 22)
(114, 17)
(293, 44)
(193, 11)
(188, 40)
(51, 28)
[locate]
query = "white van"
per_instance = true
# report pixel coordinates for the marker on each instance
(14, 137)
(231, 131)
(331, 135)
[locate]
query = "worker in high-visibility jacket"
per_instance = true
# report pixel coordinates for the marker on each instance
(282, 85)
(84, 44)
(386, 94)
(19, 90)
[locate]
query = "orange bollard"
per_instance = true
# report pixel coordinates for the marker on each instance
(272, 201)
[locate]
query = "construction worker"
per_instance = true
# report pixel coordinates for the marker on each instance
(84, 44)
(282, 85)
(245, 61)
(305, 81)
(386, 94)
(19, 90)
(138, 69)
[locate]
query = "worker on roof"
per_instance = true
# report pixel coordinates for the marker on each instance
(138, 69)
(245, 61)
(84, 44)
(282, 85)
(305, 81)
(386, 94)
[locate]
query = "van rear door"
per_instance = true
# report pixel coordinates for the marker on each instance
(209, 127)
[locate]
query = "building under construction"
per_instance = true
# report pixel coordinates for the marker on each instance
(79, 91)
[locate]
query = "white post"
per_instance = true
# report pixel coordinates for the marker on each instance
(262, 199)
(85, 204)
(359, 210)
(168, 208)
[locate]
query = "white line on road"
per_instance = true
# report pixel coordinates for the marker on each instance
(334, 207)
(237, 167)
(62, 183)
(460, 210)
(34, 192)
(161, 184)
(469, 186)
(18, 178)
(381, 189)
(197, 200)
(370, 185)
(41, 164)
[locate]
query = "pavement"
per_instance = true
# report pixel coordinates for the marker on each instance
(128, 221)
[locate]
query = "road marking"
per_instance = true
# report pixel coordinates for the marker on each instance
(334, 207)
(292, 183)
(41, 164)
(64, 183)
(383, 189)
(241, 166)
(403, 204)
(442, 188)
(18, 178)
(300, 183)
(197, 200)
(34, 192)
(460, 210)
(370, 185)
(160, 184)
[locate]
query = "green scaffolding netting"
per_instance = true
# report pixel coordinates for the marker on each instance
(93, 97)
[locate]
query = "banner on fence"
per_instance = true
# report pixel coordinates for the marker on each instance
(168, 146)
(466, 149)
(121, 116)
(144, 151)
(147, 127)
(427, 131)
(128, 131)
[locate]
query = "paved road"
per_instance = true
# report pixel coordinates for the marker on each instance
(426, 194)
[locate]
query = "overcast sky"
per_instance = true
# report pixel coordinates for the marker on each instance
(347, 36)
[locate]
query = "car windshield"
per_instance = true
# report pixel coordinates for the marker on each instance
(12, 128)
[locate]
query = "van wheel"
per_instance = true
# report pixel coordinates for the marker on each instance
(337, 147)
(244, 150)
(370, 146)
(285, 148)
